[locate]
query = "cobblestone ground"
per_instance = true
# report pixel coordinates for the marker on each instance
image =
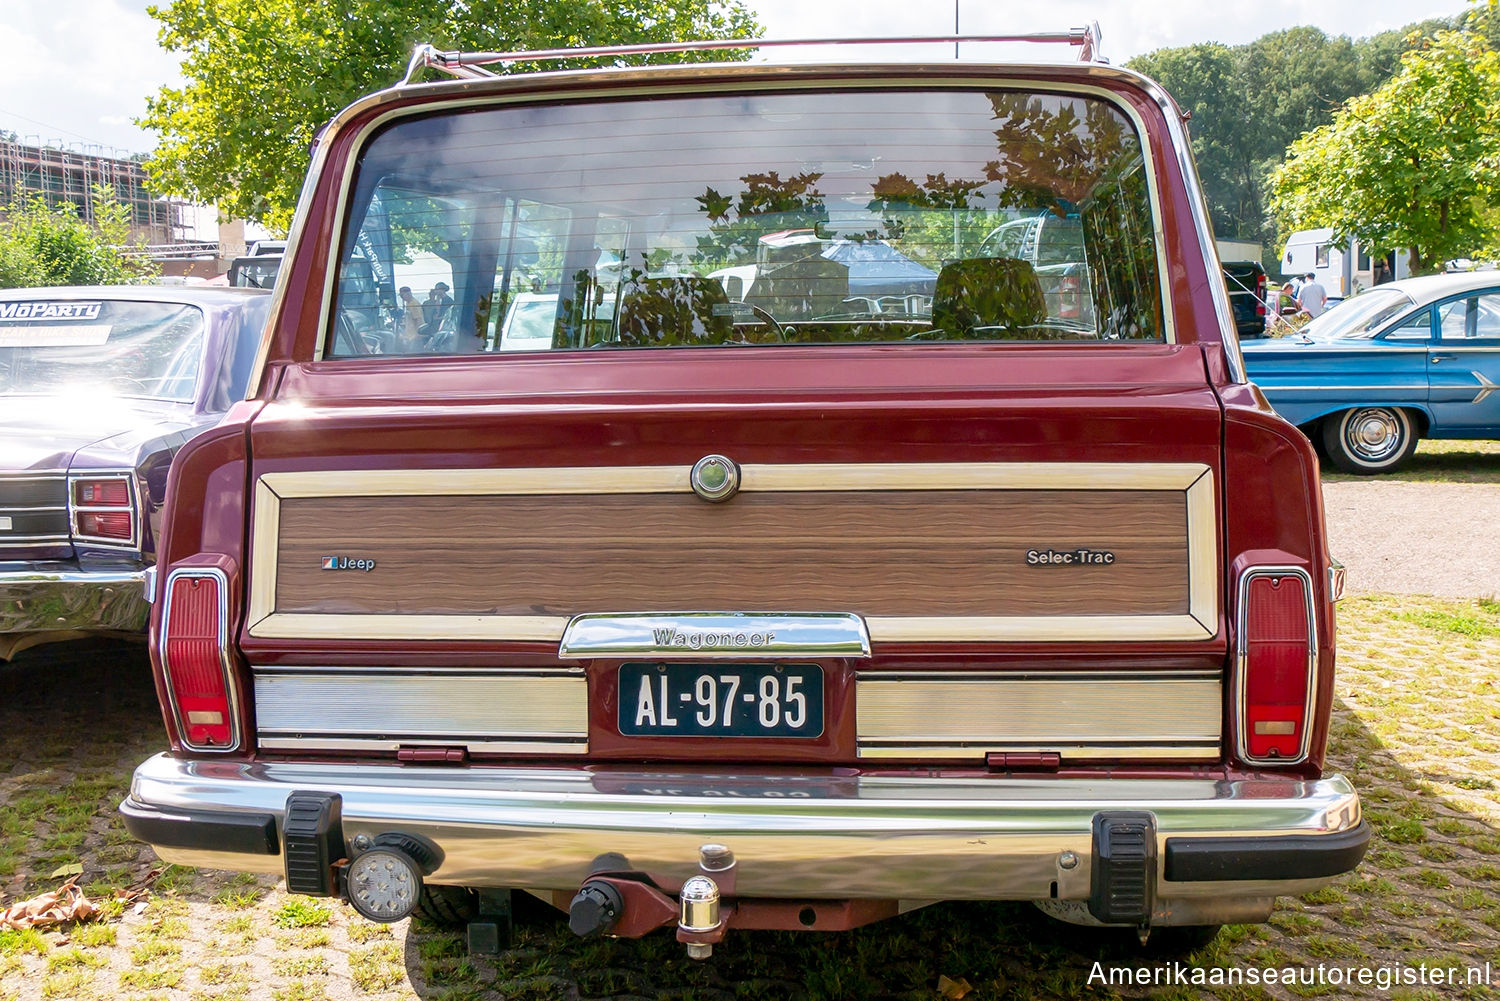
(1416, 728)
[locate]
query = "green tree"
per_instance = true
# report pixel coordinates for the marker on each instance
(1411, 164)
(1249, 102)
(50, 245)
(262, 75)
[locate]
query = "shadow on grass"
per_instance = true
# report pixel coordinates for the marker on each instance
(1438, 461)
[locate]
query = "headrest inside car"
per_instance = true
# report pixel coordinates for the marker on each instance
(985, 297)
(656, 312)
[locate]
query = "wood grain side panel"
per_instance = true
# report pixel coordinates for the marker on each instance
(908, 553)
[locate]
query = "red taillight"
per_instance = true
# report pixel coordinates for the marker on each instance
(103, 509)
(1277, 651)
(101, 493)
(1260, 295)
(192, 656)
(107, 524)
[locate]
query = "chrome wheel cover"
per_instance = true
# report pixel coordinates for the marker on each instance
(1373, 434)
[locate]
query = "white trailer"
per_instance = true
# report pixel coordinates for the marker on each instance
(1342, 269)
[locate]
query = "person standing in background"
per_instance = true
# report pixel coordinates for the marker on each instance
(1312, 298)
(411, 316)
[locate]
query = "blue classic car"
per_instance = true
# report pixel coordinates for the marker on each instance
(1418, 358)
(99, 388)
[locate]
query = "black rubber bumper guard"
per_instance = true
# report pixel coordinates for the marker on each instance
(1123, 888)
(203, 830)
(312, 833)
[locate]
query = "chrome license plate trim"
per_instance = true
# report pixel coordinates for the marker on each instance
(700, 635)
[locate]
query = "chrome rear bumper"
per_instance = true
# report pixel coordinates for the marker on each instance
(66, 601)
(798, 836)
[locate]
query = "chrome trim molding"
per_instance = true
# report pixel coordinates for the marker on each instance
(1241, 651)
(795, 835)
(699, 635)
(363, 708)
(1085, 714)
(1268, 390)
(1336, 580)
(231, 691)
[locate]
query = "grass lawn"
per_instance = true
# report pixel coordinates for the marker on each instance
(1440, 461)
(1417, 728)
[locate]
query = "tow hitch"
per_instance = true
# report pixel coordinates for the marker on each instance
(628, 904)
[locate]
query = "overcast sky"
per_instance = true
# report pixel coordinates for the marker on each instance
(78, 71)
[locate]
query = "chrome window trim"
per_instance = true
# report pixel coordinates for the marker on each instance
(765, 84)
(1241, 653)
(1198, 206)
(230, 689)
(1268, 390)
(75, 509)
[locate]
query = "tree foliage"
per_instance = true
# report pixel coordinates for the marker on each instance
(1411, 164)
(50, 245)
(262, 75)
(1249, 102)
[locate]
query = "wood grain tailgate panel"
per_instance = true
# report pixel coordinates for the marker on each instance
(878, 553)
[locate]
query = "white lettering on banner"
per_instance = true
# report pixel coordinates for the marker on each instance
(49, 310)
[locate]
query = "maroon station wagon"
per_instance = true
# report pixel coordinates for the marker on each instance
(789, 560)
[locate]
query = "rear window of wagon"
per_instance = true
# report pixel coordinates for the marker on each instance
(764, 219)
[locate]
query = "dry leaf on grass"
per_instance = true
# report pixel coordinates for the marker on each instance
(954, 989)
(56, 907)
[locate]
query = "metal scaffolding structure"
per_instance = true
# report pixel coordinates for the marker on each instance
(69, 173)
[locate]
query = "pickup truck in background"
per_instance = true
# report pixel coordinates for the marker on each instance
(738, 604)
(1246, 284)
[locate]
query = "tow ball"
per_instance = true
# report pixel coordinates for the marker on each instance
(699, 924)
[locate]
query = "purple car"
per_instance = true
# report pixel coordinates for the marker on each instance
(99, 388)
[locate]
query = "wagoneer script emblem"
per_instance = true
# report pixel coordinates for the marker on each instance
(670, 637)
(715, 478)
(347, 563)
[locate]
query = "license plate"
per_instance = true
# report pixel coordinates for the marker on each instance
(721, 700)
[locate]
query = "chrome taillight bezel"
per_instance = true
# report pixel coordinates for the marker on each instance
(231, 693)
(133, 493)
(1241, 655)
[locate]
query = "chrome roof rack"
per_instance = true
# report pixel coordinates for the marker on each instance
(470, 65)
